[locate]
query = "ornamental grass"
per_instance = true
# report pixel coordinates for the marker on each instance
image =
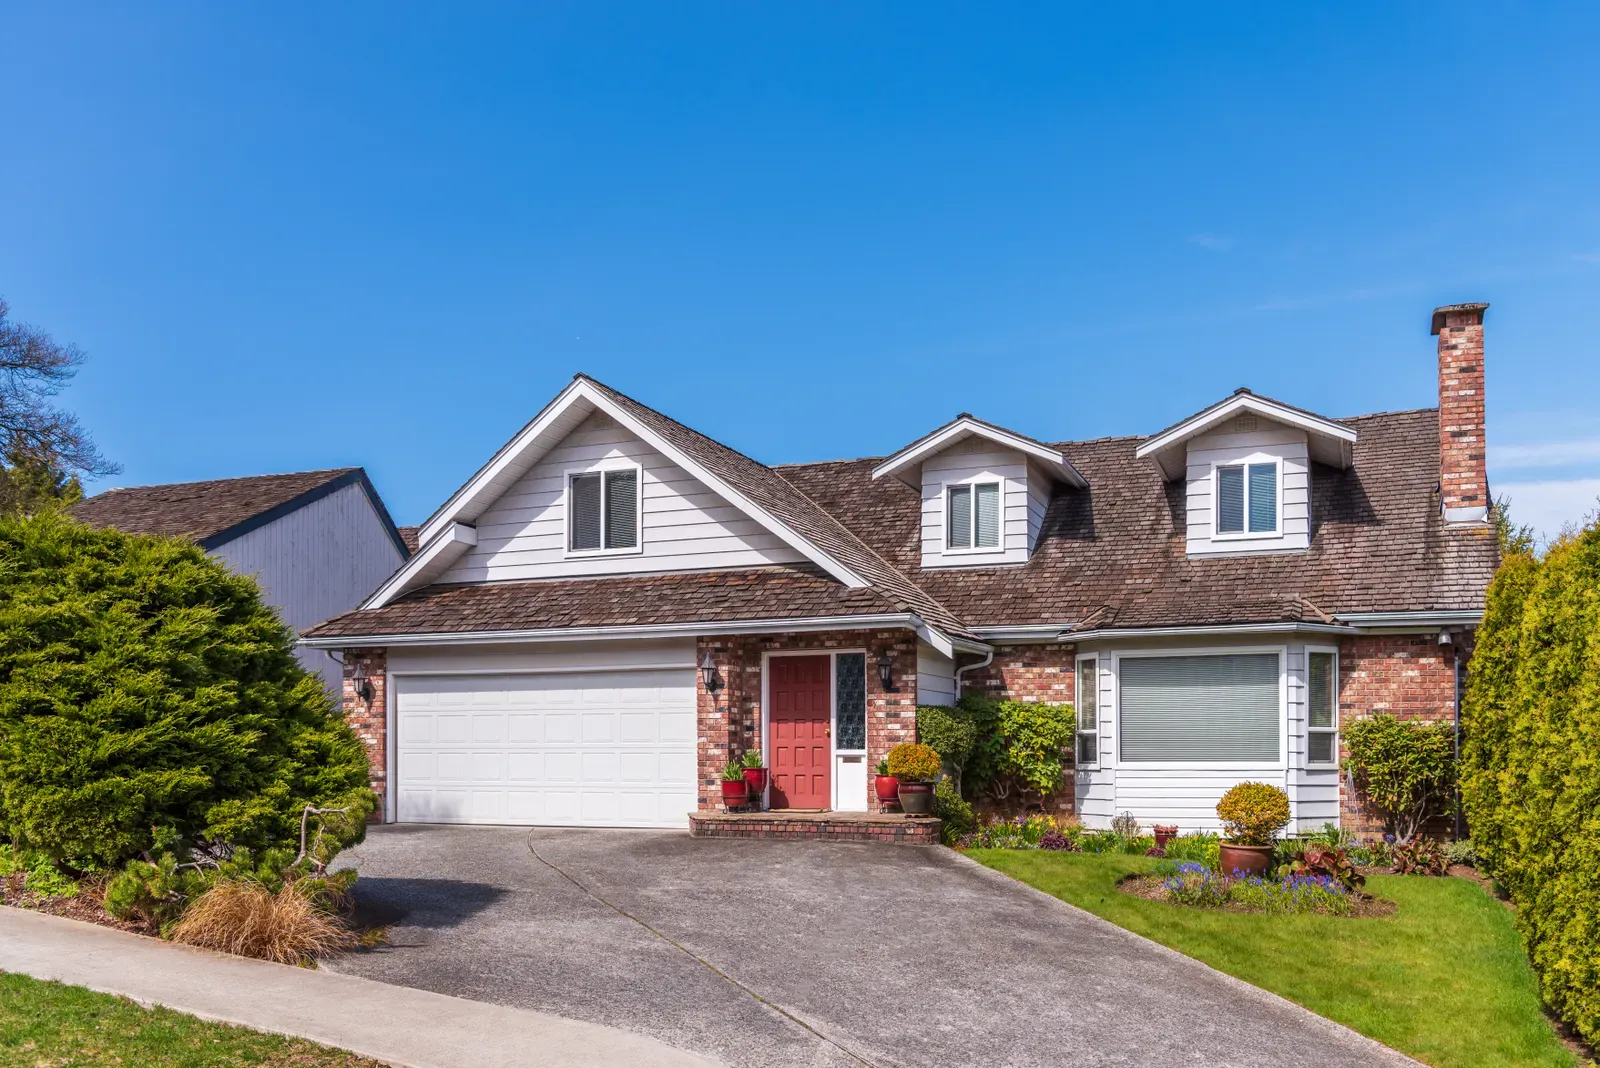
(249, 920)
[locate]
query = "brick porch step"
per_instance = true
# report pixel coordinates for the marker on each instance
(891, 828)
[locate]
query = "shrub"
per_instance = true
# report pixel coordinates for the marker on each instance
(147, 693)
(1372, 853)
(1460, 851)
(250, 920)
(154, 894)
(948, 805)
(1056, 842)
(1531, 747)
(1019, 747)
(952, 731)
(1253, 813)
(1420, 856)
(1404, 772)
(1332, 864)
(911, 762)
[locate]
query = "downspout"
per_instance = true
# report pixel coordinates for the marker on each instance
(1461, 824)
(988, 658)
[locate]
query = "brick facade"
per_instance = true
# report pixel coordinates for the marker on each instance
(1406, 676)
(1463, 466)
(1033, 673)
(730, 720)
(369, 718)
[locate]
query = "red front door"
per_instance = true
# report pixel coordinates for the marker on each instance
(799, 719)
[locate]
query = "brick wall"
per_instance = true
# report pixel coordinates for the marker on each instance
(1406, 676)
(1034, 673)
(1463, 470)
(369, 719)
(730, 720)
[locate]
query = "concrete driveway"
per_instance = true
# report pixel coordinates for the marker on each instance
(785, 954)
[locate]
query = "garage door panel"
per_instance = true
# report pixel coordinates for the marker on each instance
(577, 749)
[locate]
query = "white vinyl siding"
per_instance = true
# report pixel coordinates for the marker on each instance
(1201, 709)
(936, 676)
(957, 474)
(1249, 489)
(683, 525)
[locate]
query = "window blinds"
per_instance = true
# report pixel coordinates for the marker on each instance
(1263, 498)
(1230, 500)
(960, 530)
(987, 515)
(586, 512)
(622, 509)
(1200, 708)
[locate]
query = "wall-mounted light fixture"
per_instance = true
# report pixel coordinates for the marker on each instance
(709, 676)
(361, 684)
(886, 672)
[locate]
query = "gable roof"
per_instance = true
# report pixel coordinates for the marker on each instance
(965, 426)
(1330, 441)
(218, 511)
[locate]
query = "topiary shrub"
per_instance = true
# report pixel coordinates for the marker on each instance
(148, 698)
(1404, 771)
(1253, 813)
(1020, 747)
(911, 762)
(1530, 779)
(959, 818)
(953, 731)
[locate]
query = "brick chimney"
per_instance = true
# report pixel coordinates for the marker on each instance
(1463, 465)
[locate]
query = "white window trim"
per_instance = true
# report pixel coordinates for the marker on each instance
(1276, 534)
(1281, 764)
(975, 550)
(1077, 704)
(1323, 765)
(638, 510)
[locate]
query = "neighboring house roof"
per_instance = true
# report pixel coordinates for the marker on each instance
(216, 512)
(409, 536)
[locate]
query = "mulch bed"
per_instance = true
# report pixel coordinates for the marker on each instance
(88, 904)
(1153, 888)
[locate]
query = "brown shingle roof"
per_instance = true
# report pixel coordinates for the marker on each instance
(629, 600)
(409, 535)
(219, 510)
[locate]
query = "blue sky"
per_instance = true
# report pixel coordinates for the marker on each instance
(385, 234)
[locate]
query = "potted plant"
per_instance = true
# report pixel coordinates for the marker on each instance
(916, 767)
(1252, 814)
(755, 771)
(1164, 834)
(735, 791)
(886, 785)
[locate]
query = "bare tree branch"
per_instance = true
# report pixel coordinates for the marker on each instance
(34, 432)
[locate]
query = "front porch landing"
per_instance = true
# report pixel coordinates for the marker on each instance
(890, 828)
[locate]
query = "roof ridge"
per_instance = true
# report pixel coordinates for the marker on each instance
(332, 472)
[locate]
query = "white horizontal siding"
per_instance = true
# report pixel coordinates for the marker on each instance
(1228, 445)
(685, 526)
(1187, 798)
(936, 676)
(976, 460)
(1038, 489)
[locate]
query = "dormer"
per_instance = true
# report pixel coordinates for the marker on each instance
(985, 490)
(1247, 464)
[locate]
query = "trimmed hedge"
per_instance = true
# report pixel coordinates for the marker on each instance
(149, 701)
(1531, 763)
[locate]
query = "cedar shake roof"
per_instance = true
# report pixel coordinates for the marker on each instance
(748, 594)
(215, 512)
(409, 535)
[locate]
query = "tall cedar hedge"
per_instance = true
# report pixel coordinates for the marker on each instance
(1531, 763)
(147, 696)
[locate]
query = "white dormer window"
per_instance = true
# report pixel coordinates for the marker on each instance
(1247, 500)
(972, 517)
(603, 511)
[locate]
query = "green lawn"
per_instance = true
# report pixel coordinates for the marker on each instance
(1444, 979)
(45, 1025)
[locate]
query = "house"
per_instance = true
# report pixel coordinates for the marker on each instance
(318, 542)
(615, 604)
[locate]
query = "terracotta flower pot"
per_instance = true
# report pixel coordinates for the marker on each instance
(756, 780)
(916, 798)
(1249, 859)
(888, 788)
(735, 793)
(1165, 835)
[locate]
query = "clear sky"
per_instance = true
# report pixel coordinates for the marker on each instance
(383, 234)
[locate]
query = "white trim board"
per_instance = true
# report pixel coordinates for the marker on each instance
(1333, 443)
(912, 455)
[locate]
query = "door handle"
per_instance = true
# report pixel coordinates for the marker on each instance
(828, 731)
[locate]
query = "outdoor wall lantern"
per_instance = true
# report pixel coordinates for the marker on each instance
(361, 684)
(886, 672)
(709, 676)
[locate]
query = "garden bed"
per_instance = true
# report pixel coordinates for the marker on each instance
(1154, 888)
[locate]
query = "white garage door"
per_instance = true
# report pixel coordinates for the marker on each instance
(608, 749)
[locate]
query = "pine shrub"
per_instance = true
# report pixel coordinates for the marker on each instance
(149, 700)
(1530, 779)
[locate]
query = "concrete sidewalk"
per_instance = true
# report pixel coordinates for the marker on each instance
(400, 1025)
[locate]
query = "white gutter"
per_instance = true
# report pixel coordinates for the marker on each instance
(1460, 617)
(1179, 632)
(654, 630)
(1045, 632)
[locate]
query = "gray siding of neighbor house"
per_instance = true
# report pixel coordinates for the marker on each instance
(316, 562)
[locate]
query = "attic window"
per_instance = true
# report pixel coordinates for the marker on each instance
(972, 516)
(1247, 499)
(604, 512)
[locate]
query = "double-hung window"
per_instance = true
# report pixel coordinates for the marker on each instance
(1088, 718)
(972, 516)
(1247, 499)
(604, 512)
(1322, 708)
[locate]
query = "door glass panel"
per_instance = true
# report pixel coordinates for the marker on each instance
(850, 701)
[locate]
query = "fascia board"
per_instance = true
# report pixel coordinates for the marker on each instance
(658, 630)
(939, 440)
(1212, 417)
(430, 561)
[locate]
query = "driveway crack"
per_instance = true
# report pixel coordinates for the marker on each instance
(692, 955)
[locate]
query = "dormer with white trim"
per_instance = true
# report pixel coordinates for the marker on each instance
(985, 491)
(1247, 465)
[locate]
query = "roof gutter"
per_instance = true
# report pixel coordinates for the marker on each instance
(1102, 633)
(1461, 617)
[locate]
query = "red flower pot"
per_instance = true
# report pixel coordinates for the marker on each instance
(756, 780)
(888, 788)
(1165, 835)
(735, 793)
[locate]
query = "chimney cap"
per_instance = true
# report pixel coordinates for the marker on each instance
(1440, 312)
